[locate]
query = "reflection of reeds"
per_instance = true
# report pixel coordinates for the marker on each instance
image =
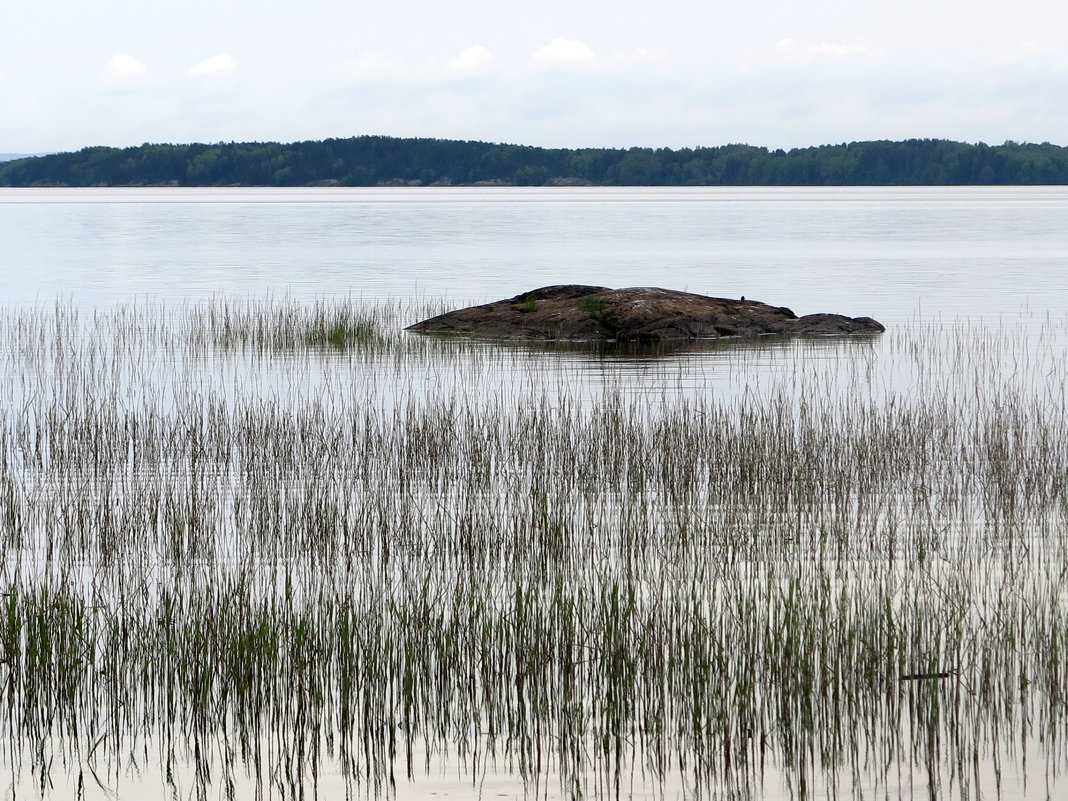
(237, 575)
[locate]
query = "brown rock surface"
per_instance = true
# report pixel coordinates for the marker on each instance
(597, 313)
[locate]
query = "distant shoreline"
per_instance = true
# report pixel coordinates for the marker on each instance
(380, 161)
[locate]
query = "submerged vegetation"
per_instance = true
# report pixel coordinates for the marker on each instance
(235, 555)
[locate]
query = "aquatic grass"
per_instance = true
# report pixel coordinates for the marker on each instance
(257, 570)
(287, 325)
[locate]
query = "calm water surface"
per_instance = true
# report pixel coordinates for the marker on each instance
(886, 252)
(963, 257)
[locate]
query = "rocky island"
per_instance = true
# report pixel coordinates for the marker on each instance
(575, 312)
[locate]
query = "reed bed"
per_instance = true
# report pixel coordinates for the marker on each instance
(246, 558)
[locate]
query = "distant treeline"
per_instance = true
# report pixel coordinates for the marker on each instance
(381, 160)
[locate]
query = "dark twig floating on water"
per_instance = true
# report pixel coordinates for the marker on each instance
(917, 676)
(599, 314)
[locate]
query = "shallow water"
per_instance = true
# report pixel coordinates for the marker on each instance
(890, 253)
(968, 282)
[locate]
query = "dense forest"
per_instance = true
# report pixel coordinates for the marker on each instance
(385, 161)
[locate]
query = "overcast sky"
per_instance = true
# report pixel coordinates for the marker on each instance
(779, 73)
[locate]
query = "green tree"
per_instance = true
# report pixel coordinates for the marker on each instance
(640, 167)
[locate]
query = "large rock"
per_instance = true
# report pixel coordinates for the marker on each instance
(599, 314)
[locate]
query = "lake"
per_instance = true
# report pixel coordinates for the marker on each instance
(891, 253)
(260, 542)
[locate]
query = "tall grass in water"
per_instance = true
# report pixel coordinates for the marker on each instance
(242, 583)
(288, 324)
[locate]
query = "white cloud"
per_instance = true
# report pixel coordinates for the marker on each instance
(1032, 55)
(214, 65)
(564, 54)
(824, 50)
(472, 60)
(122, 68)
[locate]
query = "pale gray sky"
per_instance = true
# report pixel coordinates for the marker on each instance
(567, 73)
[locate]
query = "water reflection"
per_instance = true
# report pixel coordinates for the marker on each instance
(977, 252)
(673, 571)
(642, 350)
